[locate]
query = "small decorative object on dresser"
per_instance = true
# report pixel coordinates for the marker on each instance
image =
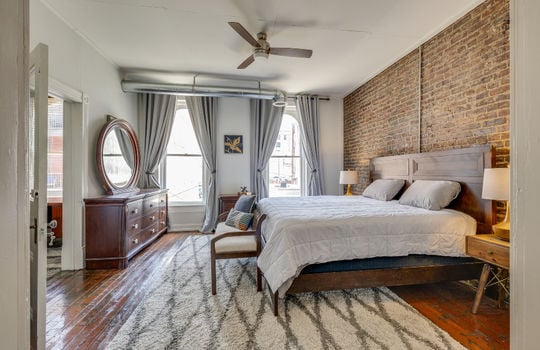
(496, 254)
(123, 222)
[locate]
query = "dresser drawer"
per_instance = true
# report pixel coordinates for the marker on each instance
(134, 226)
(150, 219)
(134, 210)
(162, 218)
(487, 251)
(150, 204)
(140, 238)
(162, 200)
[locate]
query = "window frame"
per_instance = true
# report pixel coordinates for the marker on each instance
(181, 104)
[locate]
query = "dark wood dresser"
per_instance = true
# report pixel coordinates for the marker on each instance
(121, 225)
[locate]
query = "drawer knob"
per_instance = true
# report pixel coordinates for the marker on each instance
(490, 252)
(162, 223)
(136, 241)
(153, 230)
(135, 211)
(152, 218)
(151, 205)
(135, 226)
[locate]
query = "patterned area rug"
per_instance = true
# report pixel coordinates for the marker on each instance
(181, 313)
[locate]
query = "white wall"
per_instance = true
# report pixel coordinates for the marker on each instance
(525, 167)
(73, 62)
(233, 169)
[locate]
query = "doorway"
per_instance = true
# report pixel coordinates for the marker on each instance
(55, 184)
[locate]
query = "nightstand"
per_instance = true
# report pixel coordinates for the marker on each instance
(496, 253)
(227, 202)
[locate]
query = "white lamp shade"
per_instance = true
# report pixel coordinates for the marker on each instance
(348, 177)
(496, 185)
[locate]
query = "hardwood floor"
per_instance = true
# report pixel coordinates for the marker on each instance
(86, 308)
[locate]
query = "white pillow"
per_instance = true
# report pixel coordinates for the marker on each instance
(432, 195)
(383, 189)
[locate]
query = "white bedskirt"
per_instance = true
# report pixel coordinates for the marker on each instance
(301, 231)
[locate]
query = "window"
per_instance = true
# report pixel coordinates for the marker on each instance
(183, 165)
(55, 144)
(286, 164)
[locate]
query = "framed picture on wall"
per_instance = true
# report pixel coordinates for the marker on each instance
(234, 144)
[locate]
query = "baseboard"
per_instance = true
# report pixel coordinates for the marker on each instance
(184, 227)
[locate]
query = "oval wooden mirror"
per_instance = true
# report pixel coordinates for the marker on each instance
(118, 156)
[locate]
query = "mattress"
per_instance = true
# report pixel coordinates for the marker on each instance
(301, 231)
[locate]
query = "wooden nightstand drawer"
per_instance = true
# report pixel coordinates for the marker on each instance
(488, 249)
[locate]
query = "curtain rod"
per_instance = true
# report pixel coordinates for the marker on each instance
(202, 90)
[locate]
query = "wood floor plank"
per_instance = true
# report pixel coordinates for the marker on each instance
(86, 308)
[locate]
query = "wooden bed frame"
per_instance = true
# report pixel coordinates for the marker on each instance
(465, 166)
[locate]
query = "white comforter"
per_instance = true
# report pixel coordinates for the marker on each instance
(306, 230)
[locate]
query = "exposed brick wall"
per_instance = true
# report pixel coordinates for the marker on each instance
(465, 98)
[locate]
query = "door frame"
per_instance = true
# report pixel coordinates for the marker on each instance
(75, 184)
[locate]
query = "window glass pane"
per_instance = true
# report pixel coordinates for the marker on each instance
(183, 140)
(284, 170)
(289, 138)
(184, 178)
(284, 176)
(55, 146)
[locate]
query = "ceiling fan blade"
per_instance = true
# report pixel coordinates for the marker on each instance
(286, 51)
(244, 34)
(246, 62)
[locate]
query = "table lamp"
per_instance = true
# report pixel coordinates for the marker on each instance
(348, 177)
(496, 186)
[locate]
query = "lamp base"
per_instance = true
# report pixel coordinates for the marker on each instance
(502, 231)
(349, 191)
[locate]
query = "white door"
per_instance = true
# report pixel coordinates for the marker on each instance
(37, 170)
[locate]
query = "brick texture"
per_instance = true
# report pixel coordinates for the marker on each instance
(465, 95)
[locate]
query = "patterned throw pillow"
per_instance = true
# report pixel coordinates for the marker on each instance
(245, 203)
(239, 219)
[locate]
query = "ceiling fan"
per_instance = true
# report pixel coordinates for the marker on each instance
(262, 47)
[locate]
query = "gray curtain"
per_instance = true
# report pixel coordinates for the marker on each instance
(156, 117)
(125, 146)
(308, 109)
(265, 124)
(202, 111)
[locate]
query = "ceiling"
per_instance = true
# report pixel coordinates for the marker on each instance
(171, 40)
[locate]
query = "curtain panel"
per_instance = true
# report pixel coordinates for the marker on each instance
(203, 111)
(155, 117)
(265, 124)
(308, 109)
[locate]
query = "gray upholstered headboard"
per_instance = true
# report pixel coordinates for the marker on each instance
(465, 166)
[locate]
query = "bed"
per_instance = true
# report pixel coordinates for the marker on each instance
(341, 260)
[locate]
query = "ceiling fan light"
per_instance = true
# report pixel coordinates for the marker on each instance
(260, 55)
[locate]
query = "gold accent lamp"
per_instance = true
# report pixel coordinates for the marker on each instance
(348, 177)
(496, 186)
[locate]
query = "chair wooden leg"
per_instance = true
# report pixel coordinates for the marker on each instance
(276, 304)
(259, 279)
(213, 267)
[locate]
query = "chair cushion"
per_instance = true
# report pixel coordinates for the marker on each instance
(234, 244)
